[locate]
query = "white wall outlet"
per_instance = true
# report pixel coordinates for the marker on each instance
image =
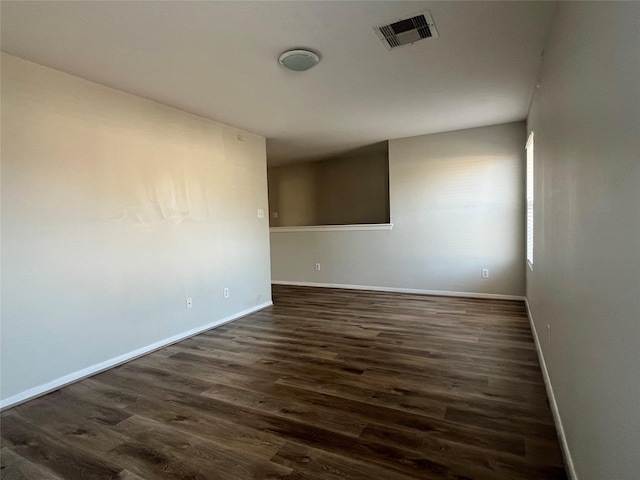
(225, 292)
(274, 214)
(317, 267)
(485, 273)
(189, 303)
(260, 213)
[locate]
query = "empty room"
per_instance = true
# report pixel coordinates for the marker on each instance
(320, 240)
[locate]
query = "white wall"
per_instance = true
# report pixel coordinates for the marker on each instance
(586, 278)
(114, 210)
(457, 206)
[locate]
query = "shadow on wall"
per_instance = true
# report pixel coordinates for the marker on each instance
(350, 189)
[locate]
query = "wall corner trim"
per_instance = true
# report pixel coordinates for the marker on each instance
(566, 453)
(78, 375)
(441, 293)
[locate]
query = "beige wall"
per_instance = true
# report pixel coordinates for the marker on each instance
(585, 282)
(457, 206)
(345, 190)
(116, 209)
(292, 195)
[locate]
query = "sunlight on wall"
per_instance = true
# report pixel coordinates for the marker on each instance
(116, 209)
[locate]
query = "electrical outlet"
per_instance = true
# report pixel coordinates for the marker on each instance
(317, 267)
(274, 214)
(189, 303)
(225, 292)
(260, 213)
(485, 273)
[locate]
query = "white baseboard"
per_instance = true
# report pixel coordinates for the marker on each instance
(566, 453)
(442, 293)
(119, 360)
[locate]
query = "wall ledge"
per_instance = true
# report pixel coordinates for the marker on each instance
(58, 383)
(333, 228)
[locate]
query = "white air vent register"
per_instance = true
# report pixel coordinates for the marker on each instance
(407, 31)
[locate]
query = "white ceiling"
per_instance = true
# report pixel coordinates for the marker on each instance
(219, 60)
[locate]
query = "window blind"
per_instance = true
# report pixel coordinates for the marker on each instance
(530, 204)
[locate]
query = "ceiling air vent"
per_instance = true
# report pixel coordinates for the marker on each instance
(407, 30)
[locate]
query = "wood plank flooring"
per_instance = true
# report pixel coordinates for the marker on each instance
(326, 384)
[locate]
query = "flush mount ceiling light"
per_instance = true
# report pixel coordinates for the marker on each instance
(298, 60)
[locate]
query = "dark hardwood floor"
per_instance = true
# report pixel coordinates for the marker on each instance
(327, 384)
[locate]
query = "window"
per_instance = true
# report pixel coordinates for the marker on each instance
(530, 200)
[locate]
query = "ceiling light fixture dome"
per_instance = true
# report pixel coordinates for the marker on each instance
(298, 60)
